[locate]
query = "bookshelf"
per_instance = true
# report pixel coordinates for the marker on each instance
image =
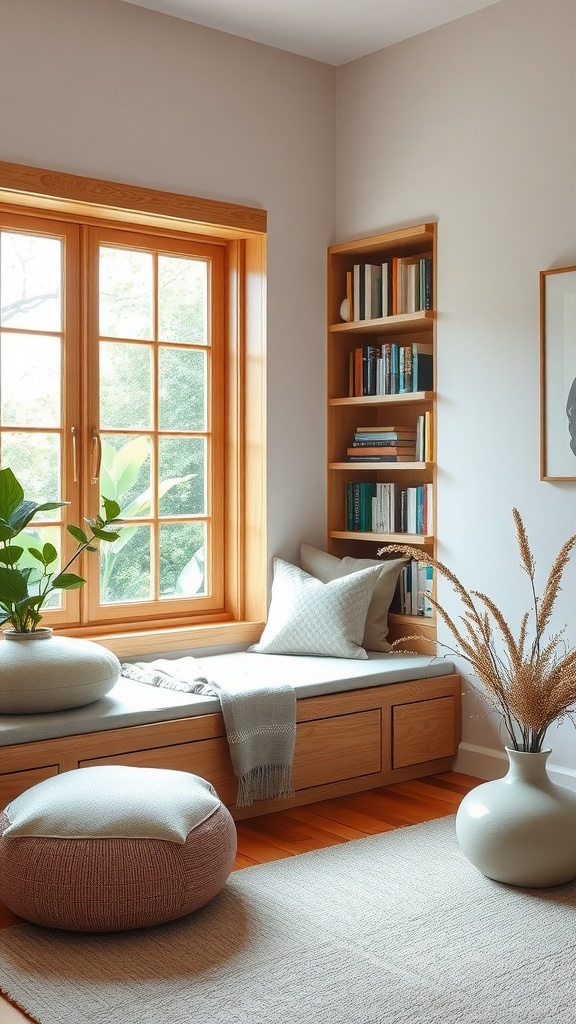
(352, 403)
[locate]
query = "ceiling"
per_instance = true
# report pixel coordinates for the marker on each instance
(332, 31)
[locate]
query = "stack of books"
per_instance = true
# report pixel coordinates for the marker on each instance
(383, 444)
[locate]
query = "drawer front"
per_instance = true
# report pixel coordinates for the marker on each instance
(343, 747)
(14, 783)
(423, 731)
(210, 759)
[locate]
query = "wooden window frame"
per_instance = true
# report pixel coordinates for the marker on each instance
(242, 232)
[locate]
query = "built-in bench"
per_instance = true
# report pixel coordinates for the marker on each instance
(360, 724)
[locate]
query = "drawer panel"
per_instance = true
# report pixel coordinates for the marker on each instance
(423, 731)
(14, 783)
(208, 758)
(343, 747)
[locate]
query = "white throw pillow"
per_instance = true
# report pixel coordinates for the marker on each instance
(310, 617)
(326, 567)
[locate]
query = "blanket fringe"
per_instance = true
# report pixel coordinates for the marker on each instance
(265, 782)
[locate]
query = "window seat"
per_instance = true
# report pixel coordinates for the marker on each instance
(360, 724)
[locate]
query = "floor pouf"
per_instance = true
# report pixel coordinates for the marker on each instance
(109, 848)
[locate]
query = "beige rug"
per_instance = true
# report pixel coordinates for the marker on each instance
(394, 929)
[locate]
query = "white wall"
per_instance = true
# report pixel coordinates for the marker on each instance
(472, 124)
(110, 90)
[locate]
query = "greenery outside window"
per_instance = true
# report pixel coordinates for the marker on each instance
(126, 355)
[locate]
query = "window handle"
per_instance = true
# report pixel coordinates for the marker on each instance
(96, 455)
(74, 463)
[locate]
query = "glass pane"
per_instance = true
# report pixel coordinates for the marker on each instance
(183, 389)
(126, 307)
(125, 473)
(125, 567)
(182, 467)
(125, 386)
(37, 538)
(30, 281)
(182, 548)
(35, 461)
(30, 381)
(183, 299)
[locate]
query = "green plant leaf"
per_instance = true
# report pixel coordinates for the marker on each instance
(13, 584)
(68, 581)
(112, 509)
(127, 464)
(78, 534)
(49, 553)
(10, 554)
(36, 554)
(11, 493)
(104, 534)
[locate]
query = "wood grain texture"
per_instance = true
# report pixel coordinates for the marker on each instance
(73, 188)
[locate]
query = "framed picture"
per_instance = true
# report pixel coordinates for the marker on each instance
(558, 374)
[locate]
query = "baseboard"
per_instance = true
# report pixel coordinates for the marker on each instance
(481, 762)
(485, 763)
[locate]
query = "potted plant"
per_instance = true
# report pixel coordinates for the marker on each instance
(518, 829)
(68, 672)
(24, 589)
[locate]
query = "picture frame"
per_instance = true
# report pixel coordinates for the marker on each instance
(558, 374)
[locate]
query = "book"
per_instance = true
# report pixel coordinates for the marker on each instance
(386, 279)
(422, 367)
(427, 298)
(405, 369)
(358, 291)
(380, 458)
(374, 440)
(372, 291)
(382, 450)
(385, 430)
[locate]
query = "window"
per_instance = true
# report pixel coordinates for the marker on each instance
(127, 352)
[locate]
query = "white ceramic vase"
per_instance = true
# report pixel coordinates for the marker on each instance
(520, 829)
(43, 672)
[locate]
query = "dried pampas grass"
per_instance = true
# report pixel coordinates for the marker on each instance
(530, 683)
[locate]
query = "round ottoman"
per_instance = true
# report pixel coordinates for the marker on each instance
(109, 848)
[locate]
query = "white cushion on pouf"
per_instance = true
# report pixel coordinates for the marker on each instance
(112, 847)
(53, 674)
(113, 802)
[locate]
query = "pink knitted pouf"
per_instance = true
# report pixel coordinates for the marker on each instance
(108, 848)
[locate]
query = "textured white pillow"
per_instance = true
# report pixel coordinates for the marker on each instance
(113, 802)
(310, 617)
(327, 567)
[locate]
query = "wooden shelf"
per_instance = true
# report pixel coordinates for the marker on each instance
(407, 398)
(402, 324)
(378, 467)
(413, 540)
(347, 414)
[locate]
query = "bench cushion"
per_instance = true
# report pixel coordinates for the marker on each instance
(131, 703)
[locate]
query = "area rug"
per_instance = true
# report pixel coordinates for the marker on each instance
(393, 929)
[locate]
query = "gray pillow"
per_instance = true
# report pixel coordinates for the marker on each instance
(326, 567)
(310, 617)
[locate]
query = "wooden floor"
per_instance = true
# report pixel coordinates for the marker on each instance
(287, 833)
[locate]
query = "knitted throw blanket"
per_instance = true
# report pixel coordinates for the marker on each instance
(260, 723)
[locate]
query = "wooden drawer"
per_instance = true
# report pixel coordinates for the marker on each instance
(343, 747)
(423, 731)
(208, 758)
(14, 783)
